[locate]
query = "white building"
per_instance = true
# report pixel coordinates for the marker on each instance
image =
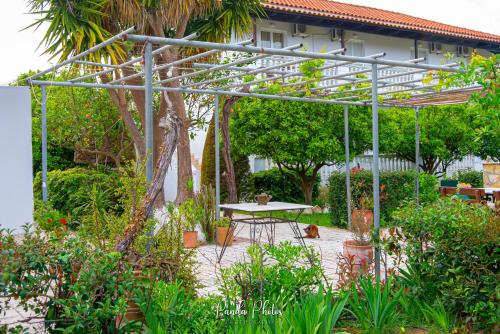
(323, 25)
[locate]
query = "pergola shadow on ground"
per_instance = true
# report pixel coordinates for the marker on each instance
(371, 74)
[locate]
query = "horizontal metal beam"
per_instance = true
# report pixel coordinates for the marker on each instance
(84, 53)
(91, 63)
(263, 69)
(224, 66)
(130, 62)
(177, 62)
(326, 67)
(281, 52)
(192, 91)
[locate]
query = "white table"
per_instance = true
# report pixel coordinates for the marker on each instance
(267, 223)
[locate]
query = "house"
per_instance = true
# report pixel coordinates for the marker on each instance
(324, 25)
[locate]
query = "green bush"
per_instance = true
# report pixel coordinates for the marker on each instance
(474, 178)
(452, 252)
(283, 188)
(396, 188)
(70, 190)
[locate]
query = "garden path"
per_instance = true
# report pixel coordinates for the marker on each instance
(329, 245)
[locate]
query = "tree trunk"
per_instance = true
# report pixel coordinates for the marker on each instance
(307, 188)
(135, 226)
(226, 152)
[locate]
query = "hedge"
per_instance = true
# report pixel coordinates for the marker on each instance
(69, 190)
(398, 187)
(283, 188)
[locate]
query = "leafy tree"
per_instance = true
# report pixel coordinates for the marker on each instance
(446, 135)
(483, 104)
(83, 126)
(75, 26)
(299, 137)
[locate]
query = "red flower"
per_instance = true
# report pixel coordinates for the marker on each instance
(49, 221)
(63, 221)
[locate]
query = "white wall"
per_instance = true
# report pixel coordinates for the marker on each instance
(318, 39)
(16, 172)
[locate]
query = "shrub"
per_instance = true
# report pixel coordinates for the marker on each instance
(395, 188)
(452, 254)
(474, 178)
(284, 271)
(284, 188)
(70, 190)
(75, 288)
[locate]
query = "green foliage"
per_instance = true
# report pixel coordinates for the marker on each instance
(472, 177)
(395, 189)
(71, 190)
(170, 308)
(58, 277)
(375, 306)
(283, 186)
(83, 126)
(205, 200)
(446, 134)
(300, 137)
(286, 273)
(483, 104)
(452, 254)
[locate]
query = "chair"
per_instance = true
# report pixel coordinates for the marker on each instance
(469, 195)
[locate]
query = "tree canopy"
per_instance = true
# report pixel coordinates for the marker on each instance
(446, 135)
(297, 136)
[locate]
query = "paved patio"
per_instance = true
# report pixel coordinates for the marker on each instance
(328, 245)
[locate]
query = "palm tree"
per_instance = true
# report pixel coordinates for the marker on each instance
(76, 25)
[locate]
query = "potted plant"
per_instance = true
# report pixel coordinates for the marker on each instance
(363, 212)
(190, 216)
(224, 232)
(359, 249)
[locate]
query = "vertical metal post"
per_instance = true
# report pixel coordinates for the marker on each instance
(417, 156)
(375, 169)
(45, 195)
(217, 159)
(148, 91)
(347, 165)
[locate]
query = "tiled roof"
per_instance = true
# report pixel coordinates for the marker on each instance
(350, 12)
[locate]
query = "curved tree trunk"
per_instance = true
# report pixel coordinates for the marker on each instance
(135, 226)
(226, 152)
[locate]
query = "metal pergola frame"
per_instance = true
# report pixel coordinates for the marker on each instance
(237, 70)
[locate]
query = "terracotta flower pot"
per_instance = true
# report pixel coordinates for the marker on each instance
(361, 216)
(222, 232)
(362, 255)
(190, 239)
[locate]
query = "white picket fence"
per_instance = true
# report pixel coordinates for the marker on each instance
(390, 163)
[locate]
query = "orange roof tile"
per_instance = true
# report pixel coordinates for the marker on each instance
(339, 10)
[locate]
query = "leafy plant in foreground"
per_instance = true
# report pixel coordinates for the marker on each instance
(375, 306)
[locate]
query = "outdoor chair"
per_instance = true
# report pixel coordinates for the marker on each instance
(469, 195)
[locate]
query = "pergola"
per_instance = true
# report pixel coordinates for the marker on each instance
(253, 67)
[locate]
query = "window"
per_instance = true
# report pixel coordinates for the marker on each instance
(421, 53)
(355, 48)
(269, 39)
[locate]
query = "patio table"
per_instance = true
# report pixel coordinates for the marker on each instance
(266, 222)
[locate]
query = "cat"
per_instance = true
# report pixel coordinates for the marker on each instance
(312, 232)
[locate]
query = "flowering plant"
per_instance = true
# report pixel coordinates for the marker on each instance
(50, 219)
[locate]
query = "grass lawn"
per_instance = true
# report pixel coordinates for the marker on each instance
(320, 219)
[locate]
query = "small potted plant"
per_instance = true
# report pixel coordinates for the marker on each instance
(225, 233)
(363, 213)
(190, 217)
(359, 248)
